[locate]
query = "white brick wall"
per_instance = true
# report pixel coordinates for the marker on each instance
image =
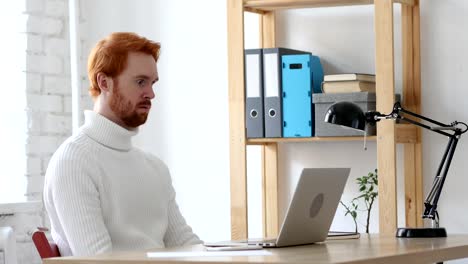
(34, 81)
(34, 166)
(24, 220)
(34, 6)
(57, 46)
(56, 8)
(34, 43)
(44, 64)
(45, 103)
(57, 85)
(48, 97)
(42, 145)
(44, 25)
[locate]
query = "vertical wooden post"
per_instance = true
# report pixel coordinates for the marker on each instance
(385, 89)
(270, 190)
(268, 30)
(412, 102)
(237, 137)
(270, 150)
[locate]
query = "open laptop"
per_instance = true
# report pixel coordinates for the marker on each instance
(311, 210)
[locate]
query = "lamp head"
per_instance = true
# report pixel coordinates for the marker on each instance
(349, 115)
(346, 114)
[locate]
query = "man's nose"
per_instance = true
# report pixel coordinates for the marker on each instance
(149, 93)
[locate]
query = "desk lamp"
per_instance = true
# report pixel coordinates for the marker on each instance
(350, 115)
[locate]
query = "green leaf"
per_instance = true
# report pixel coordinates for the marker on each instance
(360, 196)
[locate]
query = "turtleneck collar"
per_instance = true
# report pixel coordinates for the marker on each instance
(106, 132)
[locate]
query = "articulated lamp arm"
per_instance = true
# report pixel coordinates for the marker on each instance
(452, 131)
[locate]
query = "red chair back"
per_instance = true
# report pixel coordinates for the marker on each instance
(44, 247)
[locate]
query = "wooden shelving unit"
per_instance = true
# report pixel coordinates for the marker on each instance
(388, 133)
(404, 134)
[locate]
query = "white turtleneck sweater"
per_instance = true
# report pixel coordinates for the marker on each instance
(104, 195)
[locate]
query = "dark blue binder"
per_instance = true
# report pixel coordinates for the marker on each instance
(297, 95)
(317, 74)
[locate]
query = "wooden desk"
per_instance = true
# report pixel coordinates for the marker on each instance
(368, 249)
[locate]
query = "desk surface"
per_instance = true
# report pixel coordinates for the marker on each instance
(367, 249)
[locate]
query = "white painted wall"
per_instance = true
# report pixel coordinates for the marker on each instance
(190, 118)
(444, 81)
(188, 127)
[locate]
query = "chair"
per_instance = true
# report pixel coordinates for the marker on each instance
(45, 248)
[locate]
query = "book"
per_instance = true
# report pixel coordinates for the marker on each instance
(348, 87)
(337, 235)
(349, 77)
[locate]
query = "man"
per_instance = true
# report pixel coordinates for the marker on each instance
(100, 192)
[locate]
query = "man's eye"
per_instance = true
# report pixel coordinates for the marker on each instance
(141, 82)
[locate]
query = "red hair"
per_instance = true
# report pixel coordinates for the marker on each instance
(109, 56)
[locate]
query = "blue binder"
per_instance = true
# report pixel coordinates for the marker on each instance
(297, 95)
(272, 86)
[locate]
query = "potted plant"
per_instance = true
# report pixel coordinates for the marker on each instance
(367, 193)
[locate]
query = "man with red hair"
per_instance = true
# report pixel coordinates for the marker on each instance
(100, 192)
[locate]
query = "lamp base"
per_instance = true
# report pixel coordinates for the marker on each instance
(421, 232)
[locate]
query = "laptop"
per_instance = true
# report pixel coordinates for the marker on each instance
(311, 210)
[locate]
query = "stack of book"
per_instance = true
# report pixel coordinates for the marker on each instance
(348, 83)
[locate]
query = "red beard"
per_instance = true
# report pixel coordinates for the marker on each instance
(126, 111)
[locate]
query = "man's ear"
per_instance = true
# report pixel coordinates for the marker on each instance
(104, 82)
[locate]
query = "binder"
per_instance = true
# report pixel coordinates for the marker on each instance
(317, 74)
(297, 96)
(254, 93)
(272, 73)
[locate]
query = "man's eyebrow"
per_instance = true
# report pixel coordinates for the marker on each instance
(146, 77)
(142, 76)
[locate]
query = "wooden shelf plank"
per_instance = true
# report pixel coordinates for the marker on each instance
(261, 141)
(271, 5)
(405, 133)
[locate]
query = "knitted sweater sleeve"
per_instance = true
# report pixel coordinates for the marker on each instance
(178, 232)
(75, 195)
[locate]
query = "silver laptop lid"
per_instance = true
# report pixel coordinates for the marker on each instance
(313, 206)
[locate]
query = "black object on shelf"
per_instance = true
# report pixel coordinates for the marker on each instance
(350, 115)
